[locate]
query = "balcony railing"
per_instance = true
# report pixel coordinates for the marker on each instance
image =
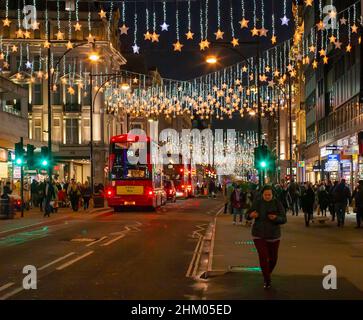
(72, 107)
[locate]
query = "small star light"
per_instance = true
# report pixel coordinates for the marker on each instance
(60, 35)
(19, 33)
(35, 25)
(349, 48)
(354, 28)
(312, 48)
(320, 25)
(325, 60)
(124, 29)
(136, 48)
(147, 35)
(189, 35)
(102, 14)
(69, 45)
(315, 64)
(244, 69)
(28, 65)
(219, 34)
(263, 32)
(6, 65)
(244, 23)
(90, 38)
(6, 22)
(285, 20)
(322, 53)
(177, 46)
(27, 34)
(332, 39)
(14, 48)
(40, 74)
(71, 91)
(235, 42)
(77, 26)
(254, 32)
(273, 39)
(308, 3)
(46, 44)
(155, 37)
(135, 80)
(343, 21)
(164, 27)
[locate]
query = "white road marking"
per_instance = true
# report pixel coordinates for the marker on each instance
(12, 293)
(55, 261)
(94, 242)
(113, 240)
(5, 286)
(193, 258)
(63, 266)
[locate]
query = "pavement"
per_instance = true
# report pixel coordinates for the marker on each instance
(235, 272)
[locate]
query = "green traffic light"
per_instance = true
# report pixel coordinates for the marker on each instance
(263, 164)
(19, 161)
(44, 162)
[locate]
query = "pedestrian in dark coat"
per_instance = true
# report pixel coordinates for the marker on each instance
(49, 195)
(342, 197)
(307, 203)
(268, 214)
(323, 199)
(358, 206)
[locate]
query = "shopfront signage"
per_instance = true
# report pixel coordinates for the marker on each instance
(3, 155)
(332, 148)
(350, 150)
(325, 152)
(334, 157)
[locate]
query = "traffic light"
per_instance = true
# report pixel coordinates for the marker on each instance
(44, 157)
(264, 160)
(19, 153)
(30, 156)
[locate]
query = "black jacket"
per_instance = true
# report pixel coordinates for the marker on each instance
(263, 227)
(358, 197)
(341, 194)
(307, 200)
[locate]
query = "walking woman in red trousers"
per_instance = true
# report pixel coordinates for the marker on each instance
(268, 214)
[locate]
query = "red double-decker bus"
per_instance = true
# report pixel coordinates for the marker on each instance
(133, 184)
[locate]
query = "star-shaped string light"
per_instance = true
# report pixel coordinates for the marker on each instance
(6, 22)
(273, 39)
(27, 34)
(285, 20)
(343, 21)
(354, 28)
(46, 44)
(235, 42)
(322, 53)
(320, 25)
(178, 46)
(332, 39)
(147, 35)
(338, 44)
(14, 48)
(77, 26)
(308, 3)
(155, 37)
(136, 48)
(90, 38)
(312, 48)
(60, 35)
(254, 32)
(348, 48)
(244, 23)
(124, 29)
(189, 35)
(28, 65)
(102, 14)
(219, 34)
(315, 64)
(19, 33)
(69, 45)
(164, 27)
(35, 25)
(263, 32)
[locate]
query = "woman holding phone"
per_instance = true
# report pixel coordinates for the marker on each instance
(268, 214)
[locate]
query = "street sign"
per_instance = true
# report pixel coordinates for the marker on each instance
(333, 148)
(301, 164)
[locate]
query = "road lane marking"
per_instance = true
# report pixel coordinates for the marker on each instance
(57, 260)
(113, 240)
(67, 264)
(94, 242)
(12, 293)
(5, 286)
(194, 257)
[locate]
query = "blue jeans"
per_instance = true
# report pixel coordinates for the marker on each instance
(340, 212)
(236, 212)
(295, 206)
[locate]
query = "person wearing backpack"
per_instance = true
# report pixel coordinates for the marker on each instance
(268, 215)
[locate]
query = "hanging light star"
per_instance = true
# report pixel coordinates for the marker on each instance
(343, 21)
(219, 34)
(14, 48)
(332, 39)
(349, 48)
(325, 60)
(354, 28)
(147, 35)
(135, 80)
(71, 91)
(6, 22)
(254, 32)
(90, 38)
(46, 44)
(244, 69)
(308, 3)
(263, 32)
(285, 21)
(28, 65)
(155, 37)
(19, 33)
(178, 46)
(320, 25)
(60, 35)
(164, 27)
(124, 29)
(338, 44)
(102, 14)
(189, 35)
(244, 23)
(77, 26)
(27, 34)
(322, 53)
(315, 64)
(69, 45)
(136, 49)
(312, 48)
(235, 42)
(6, 65)
(273, 39)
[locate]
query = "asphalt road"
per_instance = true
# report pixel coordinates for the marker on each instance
(127, 255)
